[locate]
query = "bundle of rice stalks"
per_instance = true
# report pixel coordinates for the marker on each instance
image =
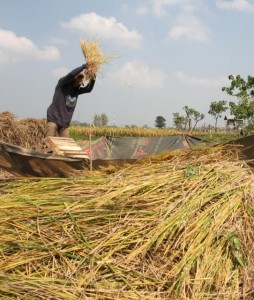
(10, 131)
(34, 131)
(178, 228)
(28, 133)
(94, 57)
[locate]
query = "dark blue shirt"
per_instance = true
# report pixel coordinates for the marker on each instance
(65, 98)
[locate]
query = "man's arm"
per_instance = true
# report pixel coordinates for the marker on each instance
(71, 76)
(88, 88)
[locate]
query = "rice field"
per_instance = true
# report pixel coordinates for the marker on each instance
(83, 133)
(174, 226)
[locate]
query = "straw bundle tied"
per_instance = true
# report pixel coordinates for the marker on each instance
(94, 57)
(176, 228)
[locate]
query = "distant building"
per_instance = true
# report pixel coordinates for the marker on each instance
(233, 123)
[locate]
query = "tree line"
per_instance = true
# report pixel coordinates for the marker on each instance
(242, 108)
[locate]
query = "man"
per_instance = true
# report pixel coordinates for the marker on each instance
(60, 111)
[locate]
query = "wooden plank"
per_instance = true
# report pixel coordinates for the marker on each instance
(56, 138)
(65, 146)
(61, 141)
(76, 154)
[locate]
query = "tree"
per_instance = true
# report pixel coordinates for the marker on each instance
(243, 110)
(244, 91)
(192, 115)
(216, 109)
(197, 116)
(104, 119)
(100, 120)
(240, 88)
(160, 122)
(179, 121)
(96, 120)
(189, 114)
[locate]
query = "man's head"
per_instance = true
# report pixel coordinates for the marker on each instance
(79, 79)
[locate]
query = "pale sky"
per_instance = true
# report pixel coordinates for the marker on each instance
(170, 53)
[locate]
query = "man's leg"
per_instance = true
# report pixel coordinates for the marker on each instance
(64, 132)
(51, 129)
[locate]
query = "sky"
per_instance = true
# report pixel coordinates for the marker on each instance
(166, 54)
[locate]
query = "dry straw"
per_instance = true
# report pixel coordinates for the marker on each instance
(94, 57)
(175, 227)
(27, 133)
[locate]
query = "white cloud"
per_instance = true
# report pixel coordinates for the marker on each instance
(13, 48)
(48, 53)
(60, 72)
(243, 5)
(186, 25)
(57, 41)
(3, 57)
(107, 28)
(137, 74)
(199, 81)
(189, 27)
(143, 9)
(159, 7)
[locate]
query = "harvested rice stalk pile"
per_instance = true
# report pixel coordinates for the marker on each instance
(179, 228)
(34, 131)
(94, 57)
(28, 133)
(10, 131)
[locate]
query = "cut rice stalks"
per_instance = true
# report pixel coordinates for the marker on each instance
(27, 133)
(94, 57)
(179, 228)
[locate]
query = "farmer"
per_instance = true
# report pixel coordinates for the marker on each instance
(60, 111)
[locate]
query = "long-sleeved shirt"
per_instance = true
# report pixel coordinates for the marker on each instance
(65, 98)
